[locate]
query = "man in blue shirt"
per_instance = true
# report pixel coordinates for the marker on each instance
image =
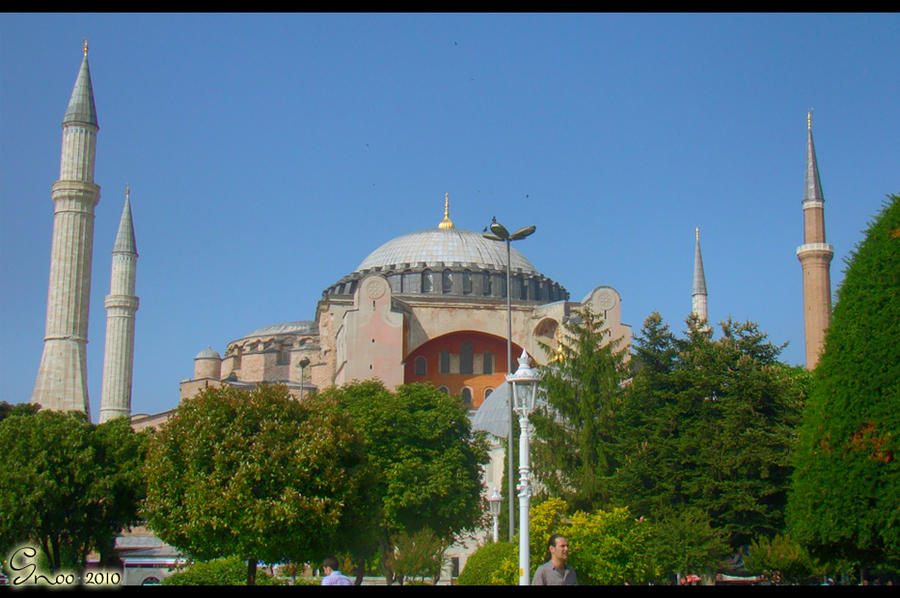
(333, 577)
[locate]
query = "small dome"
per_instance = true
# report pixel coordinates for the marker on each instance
(446, 245)
(208, 353)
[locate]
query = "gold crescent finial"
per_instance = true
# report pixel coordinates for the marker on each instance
(85, 47)
(809, 120)
(446, 222)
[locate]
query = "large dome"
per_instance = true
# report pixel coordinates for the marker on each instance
(445, 246)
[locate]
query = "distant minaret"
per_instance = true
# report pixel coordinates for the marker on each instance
(698, 293)
(815, 259)
(62, 376)
(121, 304)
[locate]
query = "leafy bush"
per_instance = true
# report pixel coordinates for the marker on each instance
(484, 562)
(229, 571)
(781, 560)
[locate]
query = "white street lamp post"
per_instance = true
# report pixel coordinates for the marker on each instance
(494, 502)
(499, 233)
(525, 384)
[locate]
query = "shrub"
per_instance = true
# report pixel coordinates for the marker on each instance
(484, 562)
(229, 571)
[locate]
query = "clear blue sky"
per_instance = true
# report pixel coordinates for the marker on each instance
(269, 154)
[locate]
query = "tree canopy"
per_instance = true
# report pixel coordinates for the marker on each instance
(427, 462)
(68, 485)
(845, 498)
(255, 474)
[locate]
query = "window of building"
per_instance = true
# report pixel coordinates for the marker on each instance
(444, 366)
(467, 282)
(486, 283)
(420, 366)
(444, 390)
(466, 359)
(487, 392)
(488, 361)
(446, 281)
(427, 281)
(467, 397)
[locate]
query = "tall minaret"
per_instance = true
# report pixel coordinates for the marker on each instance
(62, 376)
(698, 293)
(121, 303)
(815, 259)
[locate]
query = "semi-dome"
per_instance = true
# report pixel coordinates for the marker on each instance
(445, 246)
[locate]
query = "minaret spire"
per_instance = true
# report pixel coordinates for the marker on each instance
(698, 292)
(121, 305)
(446, 222)
(815, 258)
(62, 375)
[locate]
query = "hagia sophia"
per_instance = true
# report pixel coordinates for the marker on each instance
(427, 306)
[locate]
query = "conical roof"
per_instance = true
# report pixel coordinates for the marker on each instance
(813, 183)
(125, 237)
(699, 287)
(81, 107)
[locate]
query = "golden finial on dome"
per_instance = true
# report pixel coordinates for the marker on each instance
(446, 222)
(84, 47)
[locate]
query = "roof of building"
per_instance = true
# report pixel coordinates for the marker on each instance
(300, 327)
(442, 247)
(81, 106)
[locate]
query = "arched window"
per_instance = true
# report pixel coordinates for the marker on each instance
(446, 281)
(427, 281)
(488, 361)
(487, 392)
(466, 359)
(467, 397)
(444, 390)
(444, 366)
(467, 282)
(420, 366)
(486, 283)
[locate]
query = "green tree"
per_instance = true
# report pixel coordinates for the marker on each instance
(258, 475)
(845, 500)
(575, 432)
(709, 425)
(7, 409)
(68, 486)
(781, 560)
(427, 462)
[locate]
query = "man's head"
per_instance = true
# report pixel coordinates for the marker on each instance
(559, 549)
(329, 564)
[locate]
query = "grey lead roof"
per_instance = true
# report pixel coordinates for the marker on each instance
(125, 237)
(813, 183)
(699, 287)
(447, 245)
(81, 105)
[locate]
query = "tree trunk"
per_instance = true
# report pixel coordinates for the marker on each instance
(360, 572)
(251, 572)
